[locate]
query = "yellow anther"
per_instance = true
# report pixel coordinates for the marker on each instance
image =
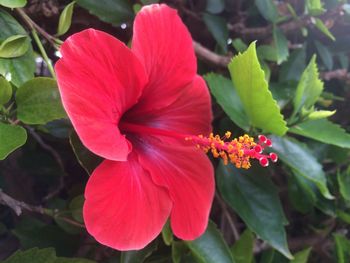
(228, 134)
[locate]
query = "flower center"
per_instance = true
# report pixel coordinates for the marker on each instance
(237, 151)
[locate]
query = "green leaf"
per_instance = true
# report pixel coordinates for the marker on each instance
(301, 256)
(267, 52)
(242, 249)
(211, 247)
(215, 6)
(324, 131)
(138, 256)
(294, 66)
(38, 101)
(76, 208)
(167, 234)
(324, 54)
(267, 9)
(249, 81)
(254, 197)
(342, 245)
(226, 95)
(5, 91)
(281, 44)
(239, 45)
(110, 11)
(86, 159)
(322, 27)
(65, 20)
(309, 87)
(302, 161)
(13, 3)
(314, 7)
(14, 46)
(344, 183)
(46, 255)
(19, 69)
(217, 26)
(178, 251)
(321, 114)
(11, 138)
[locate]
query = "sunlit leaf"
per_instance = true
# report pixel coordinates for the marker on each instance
(13, 3)
(65, 20)
(14, 46)
(11, 138)
(301, 256)
(322, 27)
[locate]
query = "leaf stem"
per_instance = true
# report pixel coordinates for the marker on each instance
(43, 53)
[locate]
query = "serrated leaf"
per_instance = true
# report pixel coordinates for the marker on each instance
(321, 114)
(211, 247)
(301, 256)
(322, 27)
(65, 20)
(38, 101)
(342, 245)
(267, 9)
(5, 91)
(19, 69)
(254, 197)
(11, 138)
(226, 95)
(309, 87)
(217, 26)
(344, 184)
(281, 44)
(110, 11)
(138, 256)
(249, 80)
(14, 46)
(324, 131)
(242, 249)
(13, 3)
(302, 161)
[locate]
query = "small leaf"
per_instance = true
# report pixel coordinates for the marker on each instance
(167, 234)
(110, 11)
(226, 95)
(242, 249)
(38, 101)
(14, 46)
(13, 3)
(215, 6)
(281, 44)
(342, 245)
(267, 52)
(217, 26)
(321, 114)
(301, 256)
(253, 91)
(65, 20)
(314, 7)
(239, 45)
(309, 87)
(324, 131)
(324, 54)
(322, 27)
(211, 247)
(11, 138)
(294, 66)
(76, 208)
(138, 256)
(302, 161)
(344, 183)
(5, 91)
(254, 197)
(178, 251)
(267, 9)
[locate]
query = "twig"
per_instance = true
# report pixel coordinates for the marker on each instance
(341, 74)
(209, 56)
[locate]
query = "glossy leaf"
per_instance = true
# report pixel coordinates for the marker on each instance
(217, 27)
(19, 69)
(211, 247)
(110, 11)
(301, 159)
(309, 87)
(138, 256)
(267, 9)
(324, 131)
(38, 101)
(13, 3)
(11, 138)
(242, 249)
(322, 27)
(254, 197)
(65, 20)
(301, 256)
(342, 246)
(344, 184)
(5, 91)
(226, 95)
(252, 88)
(14, 46)
(281, 44)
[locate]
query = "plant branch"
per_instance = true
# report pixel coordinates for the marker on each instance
(209, 56)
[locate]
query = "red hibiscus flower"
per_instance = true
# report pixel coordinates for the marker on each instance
(134, 107)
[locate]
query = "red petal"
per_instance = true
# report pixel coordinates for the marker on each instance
(124, 209)
(164, 45)
(189, 114)
(99, 79)
(188, 175)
